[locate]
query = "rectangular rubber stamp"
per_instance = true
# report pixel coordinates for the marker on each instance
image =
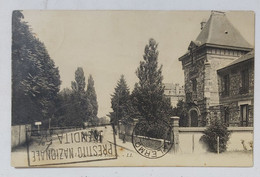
(64, 146)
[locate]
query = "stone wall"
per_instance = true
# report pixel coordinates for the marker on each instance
(189, 139)
(18, 135)
(201, 65)
(236, 97)
(241, 139)
(216, 62)
(195, 99)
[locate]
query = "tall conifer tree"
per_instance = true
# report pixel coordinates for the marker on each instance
(121, 103)
(92, 96)
(148, 94)
(79, 100)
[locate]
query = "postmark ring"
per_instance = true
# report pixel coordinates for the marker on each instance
(152, 139)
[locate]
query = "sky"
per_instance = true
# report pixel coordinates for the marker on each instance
(108, 44)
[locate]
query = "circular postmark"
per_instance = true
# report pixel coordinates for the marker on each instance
(152, 139)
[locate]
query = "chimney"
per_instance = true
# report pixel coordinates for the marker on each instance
(203, 23)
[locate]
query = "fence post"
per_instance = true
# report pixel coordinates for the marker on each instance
(175, 125)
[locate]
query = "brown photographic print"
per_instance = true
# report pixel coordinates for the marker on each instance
(132, 88)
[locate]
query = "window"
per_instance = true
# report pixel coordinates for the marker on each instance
(226, 85)
(194, 85)
(245, 81)
(244, 115)
(226, 115)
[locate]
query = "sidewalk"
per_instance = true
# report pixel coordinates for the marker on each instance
(127, 156)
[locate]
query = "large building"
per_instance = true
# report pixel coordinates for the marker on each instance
(217, 45)
(236, 91)
(175, 92)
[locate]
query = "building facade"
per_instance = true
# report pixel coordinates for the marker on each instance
(175, 92)
(236, 91)
(217, 45)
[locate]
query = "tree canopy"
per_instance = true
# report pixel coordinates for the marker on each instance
(181, 111)
(121, 103)
(216, 129)
(148, 94)
(78, 105)
(79, 99)
(35, 79)
(92, 97)
(79, 84)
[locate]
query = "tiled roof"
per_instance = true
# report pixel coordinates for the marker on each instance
(218, 30)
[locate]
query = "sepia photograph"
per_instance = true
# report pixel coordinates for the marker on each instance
(99, 88)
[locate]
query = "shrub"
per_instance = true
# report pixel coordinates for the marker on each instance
(216, 129)
(158, 130)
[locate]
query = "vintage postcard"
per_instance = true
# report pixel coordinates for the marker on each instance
(132, 88)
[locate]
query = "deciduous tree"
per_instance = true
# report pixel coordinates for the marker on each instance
(35, 79)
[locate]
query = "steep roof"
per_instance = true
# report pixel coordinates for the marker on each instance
(218, 30)
(248, 56)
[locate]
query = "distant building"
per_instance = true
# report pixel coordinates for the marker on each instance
(236, 91)
(217, 45)
(175, 92)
